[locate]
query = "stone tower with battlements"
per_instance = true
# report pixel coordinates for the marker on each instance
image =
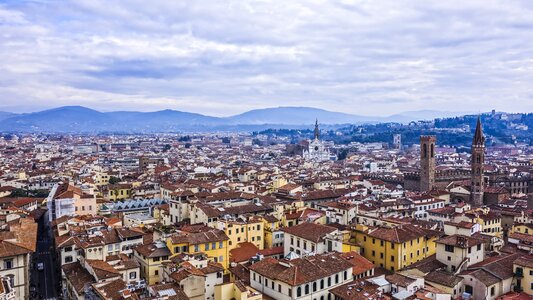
(477, 163)
(427, 162)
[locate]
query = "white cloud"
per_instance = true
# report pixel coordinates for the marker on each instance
(224, 57)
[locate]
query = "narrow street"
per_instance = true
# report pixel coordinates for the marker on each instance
(45, 281)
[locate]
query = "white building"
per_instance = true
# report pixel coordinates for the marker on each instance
(306, 278)
(458, 251)
(317, 151)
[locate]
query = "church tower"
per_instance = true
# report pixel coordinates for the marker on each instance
(317, 131)
(427, 162)
(477, 163)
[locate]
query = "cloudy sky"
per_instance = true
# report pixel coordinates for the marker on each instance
(371, 57)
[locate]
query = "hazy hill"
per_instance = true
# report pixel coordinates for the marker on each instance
(85, 120)
(295, 116)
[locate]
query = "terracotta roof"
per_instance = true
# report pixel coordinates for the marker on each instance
(443, 278)
(461, 241)
(427, 264)
(77, 276)
(195, 238)
(360, 264)
(402, 233)
(525, 261)
(302, 270)
(399, 279)
(310, 231)
(243, 252)
(102, 269)
(151, 250)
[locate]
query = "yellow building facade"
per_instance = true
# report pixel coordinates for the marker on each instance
(523, 270)
(397, 247)
(213, 243)
(251, 231)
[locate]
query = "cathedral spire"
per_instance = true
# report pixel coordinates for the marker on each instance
(479, 139)
(317, 131)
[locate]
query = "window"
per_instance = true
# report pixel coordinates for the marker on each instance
(314, 286)
(478, 247)
(133, 275)
(157, 258)
(307, 289)
(448, 248)
(492, 291)
(206, 247)
(68, 249)
(392, 258)
(279, 288)
(392, 245)
(299, 291)
(219, 275)
(220, 245)
(8, 263)
(381, 243)
(156, 272)
(373, 253)
(11, 280)
(196, 248)
(221, 258)
(68, 259)
(213, 246)
(329, 281)
(336, 278)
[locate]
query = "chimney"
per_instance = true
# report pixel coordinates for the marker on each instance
(461, 241)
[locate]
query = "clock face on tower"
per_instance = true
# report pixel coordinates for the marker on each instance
(316, 148)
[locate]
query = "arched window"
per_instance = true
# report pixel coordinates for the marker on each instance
(346, 274)
(11, 279)
(314, 286)
(336, 278)
(322, 284)
(432, 150)
(299, 291)
(307, 289)
(425, 150)
(329, 281)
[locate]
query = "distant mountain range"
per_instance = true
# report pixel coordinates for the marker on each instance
(79, 119)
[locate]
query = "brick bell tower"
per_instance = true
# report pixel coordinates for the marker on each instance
(427, 162)
(477, 162)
